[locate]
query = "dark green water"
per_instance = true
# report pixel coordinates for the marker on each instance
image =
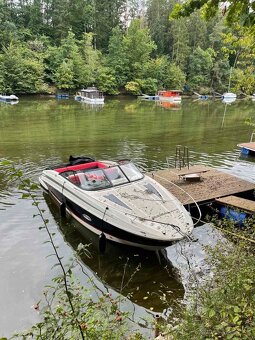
(38, 132)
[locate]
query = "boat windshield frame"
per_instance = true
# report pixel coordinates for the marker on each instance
(94, 179)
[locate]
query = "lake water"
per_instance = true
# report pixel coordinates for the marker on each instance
(39, 132)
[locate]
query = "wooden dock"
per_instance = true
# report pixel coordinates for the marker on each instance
(237, 202)
(208, 184)
(247, 146)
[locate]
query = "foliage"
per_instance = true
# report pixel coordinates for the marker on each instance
(22, 69)
(138, 47)
(200, 67)
(235, 11)
(225, 306)
(133, 87)
(113, 43)
(98, 318)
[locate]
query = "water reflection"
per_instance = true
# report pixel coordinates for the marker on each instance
(228, 100)
(142, 276)
(169, 105)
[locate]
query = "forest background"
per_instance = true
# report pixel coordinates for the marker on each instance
(120, 46)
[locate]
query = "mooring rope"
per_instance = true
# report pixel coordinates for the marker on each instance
(200, 214)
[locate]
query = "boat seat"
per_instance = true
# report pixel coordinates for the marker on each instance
(74, 179)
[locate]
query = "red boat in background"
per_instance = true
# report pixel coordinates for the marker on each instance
(170, 95)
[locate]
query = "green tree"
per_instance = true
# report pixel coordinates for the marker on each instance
(22, 70)
(117, 57)
(64, 75)
(200, 68)
(181, 49)
(236, 11)
(159, 24)
(138, 46)
(108, 14)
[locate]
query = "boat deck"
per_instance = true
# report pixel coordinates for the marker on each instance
(206, 186)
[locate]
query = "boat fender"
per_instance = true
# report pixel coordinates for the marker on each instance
(102, 243)
(63, 209)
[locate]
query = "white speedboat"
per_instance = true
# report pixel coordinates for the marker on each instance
(116, 201)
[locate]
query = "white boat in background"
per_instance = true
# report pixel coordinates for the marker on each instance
(10, 98)
(117, 202)
(170, 95)
(90, 95)
(229, 95)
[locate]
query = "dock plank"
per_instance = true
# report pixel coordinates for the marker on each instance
(238, 202)
(213, 184)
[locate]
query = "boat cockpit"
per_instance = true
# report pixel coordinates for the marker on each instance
(97, 175)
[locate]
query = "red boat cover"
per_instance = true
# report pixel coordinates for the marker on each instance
(91, 165)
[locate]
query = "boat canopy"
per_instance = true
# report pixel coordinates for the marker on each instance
(98, 176)
(91, 92)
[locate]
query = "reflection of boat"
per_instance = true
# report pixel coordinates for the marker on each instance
(10, 98)
(117, 260)
(90, 95)
(228, 100)
(116, 201)
(170, 105)
(170, 95)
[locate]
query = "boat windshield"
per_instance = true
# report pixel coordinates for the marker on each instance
(131, 171)
(103, 178)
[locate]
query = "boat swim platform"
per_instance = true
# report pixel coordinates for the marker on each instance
(201, 184)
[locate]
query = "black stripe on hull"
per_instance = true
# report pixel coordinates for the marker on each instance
(106, 227)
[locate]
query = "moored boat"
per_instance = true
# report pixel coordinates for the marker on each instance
(116, 201)
(90, 95)
(229, 95)
(8, 98)
(170, 95)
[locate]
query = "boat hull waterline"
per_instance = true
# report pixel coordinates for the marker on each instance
(139, 214)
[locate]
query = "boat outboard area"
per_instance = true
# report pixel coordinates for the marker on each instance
(114, 200)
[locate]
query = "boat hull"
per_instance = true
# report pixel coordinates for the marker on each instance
(92, 100)
(99, 226)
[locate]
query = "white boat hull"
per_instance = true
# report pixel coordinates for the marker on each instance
(229, 95)
(92, 100)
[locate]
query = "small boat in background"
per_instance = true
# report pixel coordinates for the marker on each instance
(148, 97)
(170, 95)
(8, 98)
(62, 95)
(229, 95)
(90, 95)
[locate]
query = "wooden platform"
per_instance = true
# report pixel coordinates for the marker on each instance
(212, 184)
(238, 202)
(249, 146)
